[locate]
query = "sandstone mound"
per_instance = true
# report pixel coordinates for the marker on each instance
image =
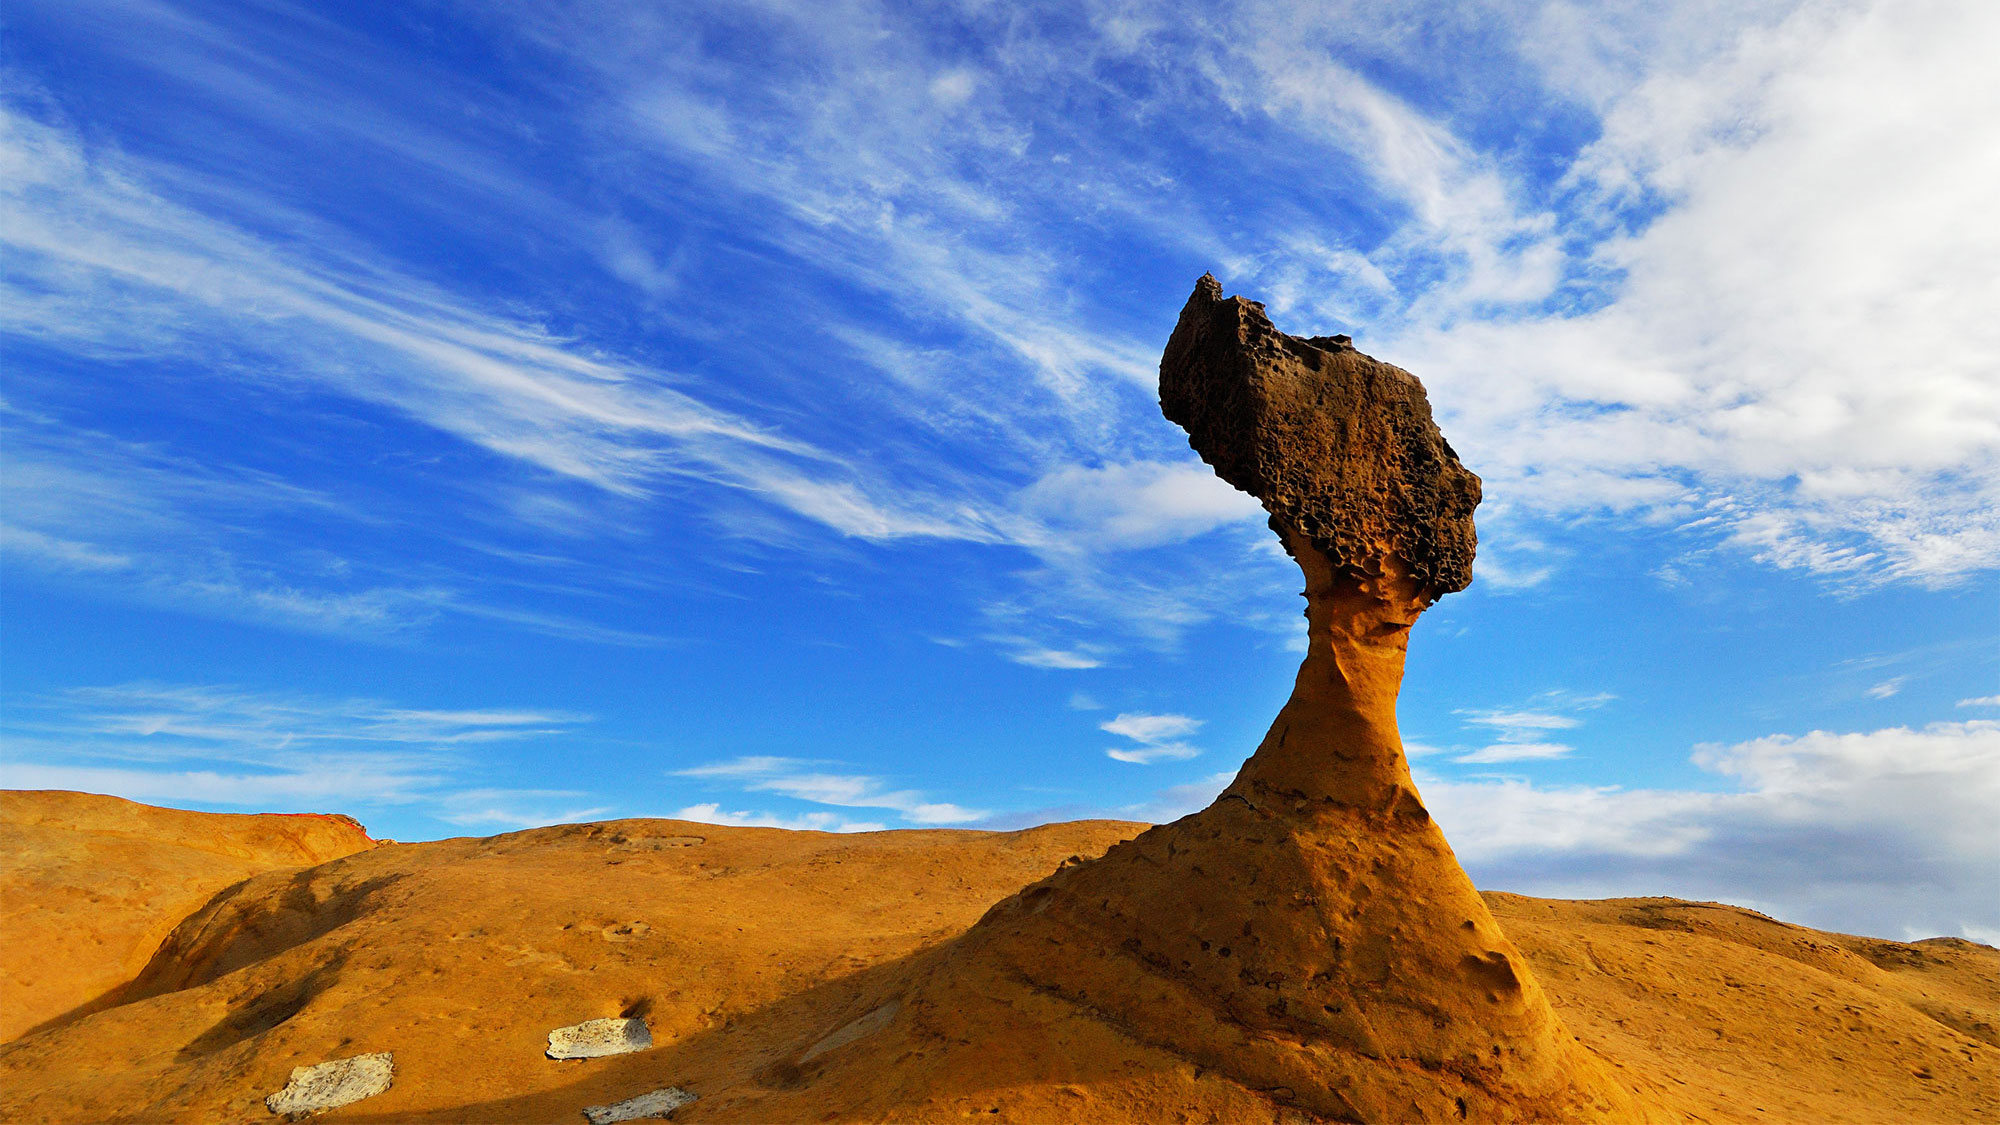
(797, 976)
(90, 885)
(737, 947)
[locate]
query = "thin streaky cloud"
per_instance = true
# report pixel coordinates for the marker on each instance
(941, 199)
(1521, 720)
(516, 808)
(218, 744)
(1515, 752)
(507, 387)
(1611, 428)
(332, 783)
(794, 778)
(1143, 727)
(151, 268)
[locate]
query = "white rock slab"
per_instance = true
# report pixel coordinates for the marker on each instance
(659, 1103)
(594, 1039)
(333, 1084)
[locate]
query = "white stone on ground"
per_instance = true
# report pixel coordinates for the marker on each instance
(333, 1084)
(659, 1103)
(594, 1039)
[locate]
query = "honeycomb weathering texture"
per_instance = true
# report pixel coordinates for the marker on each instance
(1339, 446)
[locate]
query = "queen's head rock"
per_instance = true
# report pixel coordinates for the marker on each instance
(1310, 935)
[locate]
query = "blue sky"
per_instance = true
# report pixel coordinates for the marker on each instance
(473, 416)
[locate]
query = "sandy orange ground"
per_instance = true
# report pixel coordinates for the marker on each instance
(744, 948)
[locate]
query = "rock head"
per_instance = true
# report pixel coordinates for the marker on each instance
(1340, 448)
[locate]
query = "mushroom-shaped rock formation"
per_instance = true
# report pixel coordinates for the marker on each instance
(1311, 932)
(1308, 944)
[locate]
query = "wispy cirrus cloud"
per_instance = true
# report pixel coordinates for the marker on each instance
(236, 747)
(103, 262)
(1518, 723)
(1024, 651)
(234, 722)
(1523, 732)
(1516, 752)
(344, 779)
(1137, 504)
(1550, 313)
(1545, 297)
(956, 184)
(106, 264)
(1729, 376)
(1666, 297)
(869, 153)
(516, 808)
(159, 527)
(1552, 322)
(1162, 805)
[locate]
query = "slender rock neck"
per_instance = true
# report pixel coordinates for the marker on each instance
(1335, 742)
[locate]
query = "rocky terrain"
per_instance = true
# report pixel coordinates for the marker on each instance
(89, 886)
(1307, 948)
(760, 959)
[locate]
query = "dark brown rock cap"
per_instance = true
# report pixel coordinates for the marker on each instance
(1339, 446)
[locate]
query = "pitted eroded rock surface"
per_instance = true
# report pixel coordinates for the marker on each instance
(596, 1039)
